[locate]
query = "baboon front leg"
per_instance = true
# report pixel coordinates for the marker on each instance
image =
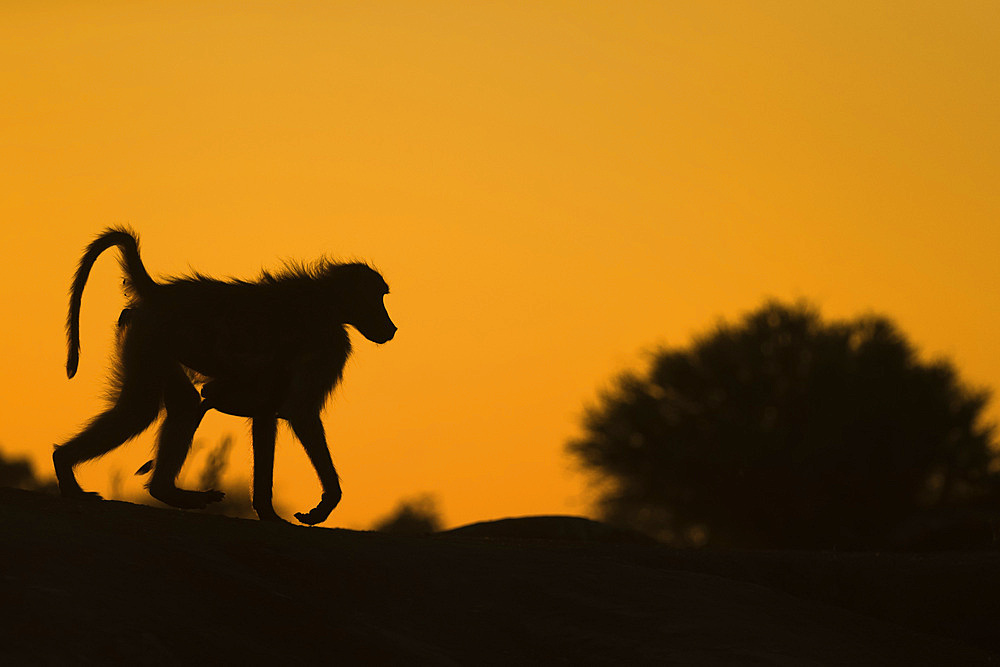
(184, 413)
(309, 431)
(264, 429)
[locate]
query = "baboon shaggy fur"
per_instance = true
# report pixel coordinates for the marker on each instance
(269, 349)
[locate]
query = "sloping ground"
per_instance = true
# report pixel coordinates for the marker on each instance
(952, 594)
(558, 527)
(114, 583)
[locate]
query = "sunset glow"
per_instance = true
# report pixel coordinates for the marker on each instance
(551, 190)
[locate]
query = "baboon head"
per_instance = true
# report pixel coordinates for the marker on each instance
(364, 308)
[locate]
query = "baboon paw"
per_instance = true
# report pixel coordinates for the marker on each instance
(213, 496)
(270, 517)
(312, 517)
(320, 513)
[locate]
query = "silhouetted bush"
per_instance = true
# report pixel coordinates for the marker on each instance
(415, 516)
(237, 501)
(18, 473)
(784, 431)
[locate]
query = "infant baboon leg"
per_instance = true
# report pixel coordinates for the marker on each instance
(184, 414)
(264, 430)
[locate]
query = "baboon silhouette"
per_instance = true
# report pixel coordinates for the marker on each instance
(269, 349)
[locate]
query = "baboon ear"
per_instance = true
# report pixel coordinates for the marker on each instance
(146, 467)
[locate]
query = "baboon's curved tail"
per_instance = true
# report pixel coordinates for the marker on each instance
(137, 281)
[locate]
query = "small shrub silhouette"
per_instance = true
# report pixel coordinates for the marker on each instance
(413, 516)
(236, 502)
(18, 473)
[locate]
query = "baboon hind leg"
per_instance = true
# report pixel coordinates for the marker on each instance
(184, 414)
(136, 407)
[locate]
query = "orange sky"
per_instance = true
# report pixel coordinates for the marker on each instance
(550, 189)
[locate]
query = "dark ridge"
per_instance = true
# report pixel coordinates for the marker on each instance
(555, 527)
(95, 583)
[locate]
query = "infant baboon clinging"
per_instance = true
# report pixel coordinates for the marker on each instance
(269, 349)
